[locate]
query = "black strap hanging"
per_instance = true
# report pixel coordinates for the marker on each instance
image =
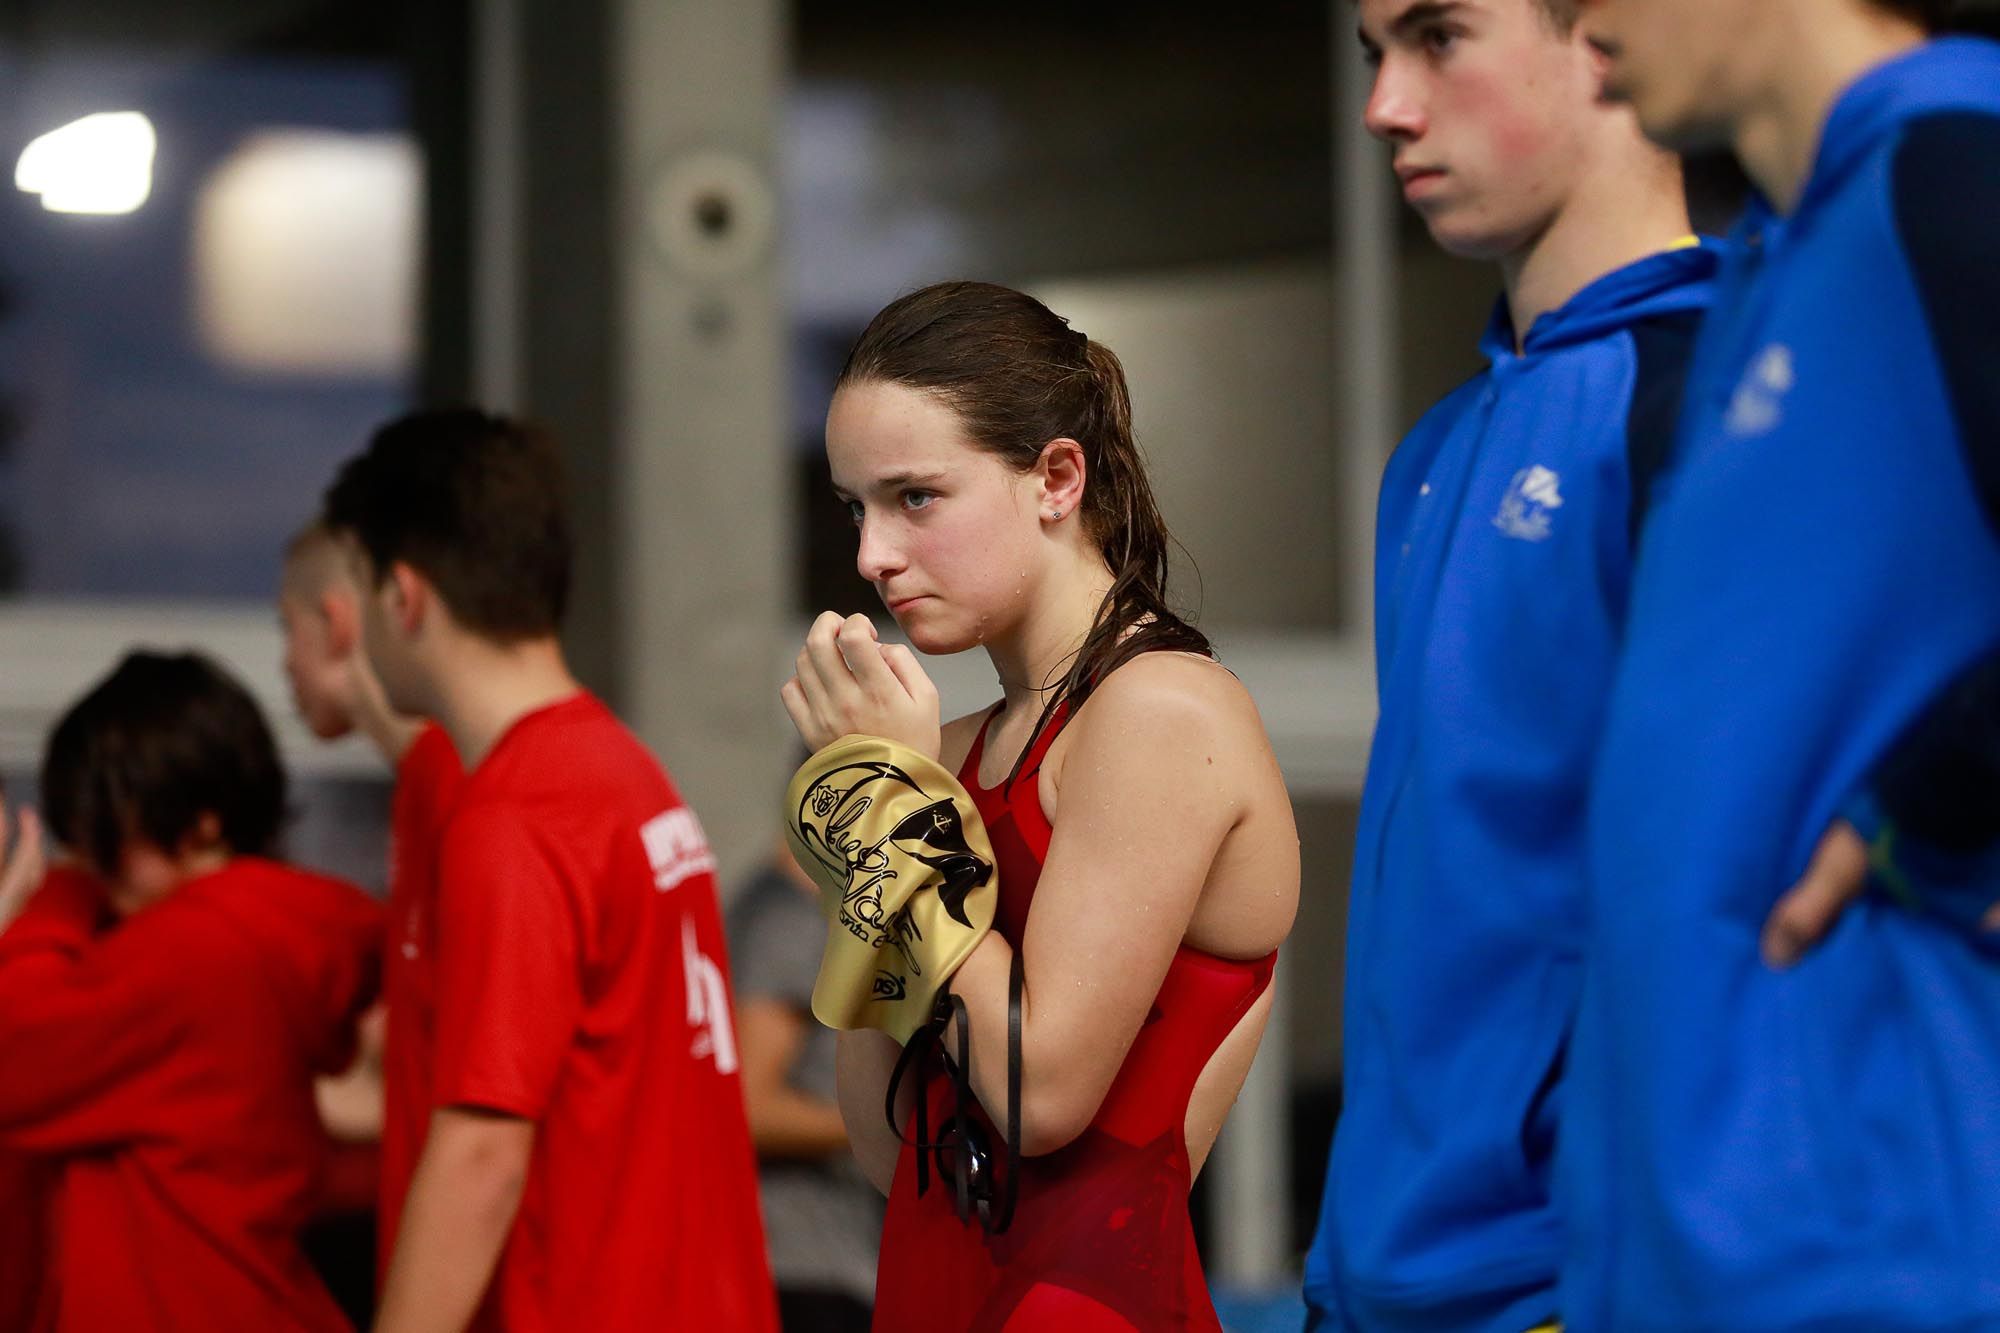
(972, 1167)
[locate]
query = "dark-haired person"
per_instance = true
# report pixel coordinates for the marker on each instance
(586, 1162)
(1814, 1148)
(165, 1006)
(1508, 523)
(1148, 864)
(336, 693)
(822, 1217)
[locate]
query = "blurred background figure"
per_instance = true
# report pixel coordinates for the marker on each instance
(822, 1219)
(336, 694)
(168, 997)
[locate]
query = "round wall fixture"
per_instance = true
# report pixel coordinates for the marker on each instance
(712, 213)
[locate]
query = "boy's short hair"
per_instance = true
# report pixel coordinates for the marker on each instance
(1935, 15)
(1562, 13)
(161, 741)
(473, 502)
(313, 560)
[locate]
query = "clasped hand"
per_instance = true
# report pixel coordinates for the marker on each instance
(847, 682)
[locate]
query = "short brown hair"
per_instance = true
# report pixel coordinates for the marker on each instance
(473, 502)
(163, 740)
(1562, 13)
(313, 561)
(1933, 14)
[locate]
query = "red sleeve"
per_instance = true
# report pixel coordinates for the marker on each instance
(508, 989)
(61, 917)
(426, 782)
(27, 1189)
(91, 1026)
(347, 973)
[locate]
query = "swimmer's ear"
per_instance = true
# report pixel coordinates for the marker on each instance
(1061, 473)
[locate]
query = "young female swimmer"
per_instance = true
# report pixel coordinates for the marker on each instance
(1146, 857)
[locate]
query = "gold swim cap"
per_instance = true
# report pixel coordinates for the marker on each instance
(906, 879)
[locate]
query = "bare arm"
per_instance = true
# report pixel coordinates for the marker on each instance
(866, 1059)
(1161, 767)
(784, 1121)
(350, 1102)
(460, 1209)
(22, 867)
(1155, 779)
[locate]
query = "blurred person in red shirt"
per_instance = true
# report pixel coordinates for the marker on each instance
(381, 1107)
(168, 997)
(586, 1164)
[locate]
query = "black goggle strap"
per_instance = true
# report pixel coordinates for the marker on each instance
(929, 1040)
(961, 1124)
(1010, 1188)
(921, 1043)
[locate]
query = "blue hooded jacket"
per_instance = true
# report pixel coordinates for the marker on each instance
(1502, 564)
(1817, 1149)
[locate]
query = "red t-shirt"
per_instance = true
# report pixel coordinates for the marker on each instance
(27, 1195)
(582, 983)
(165, 1063)
(426, 786)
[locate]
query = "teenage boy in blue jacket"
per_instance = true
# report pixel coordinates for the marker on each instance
(1504, 550)
(1816, 1148)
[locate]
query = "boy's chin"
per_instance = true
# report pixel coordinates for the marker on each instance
(327, 725)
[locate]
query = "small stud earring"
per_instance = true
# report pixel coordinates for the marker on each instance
(1055, 513)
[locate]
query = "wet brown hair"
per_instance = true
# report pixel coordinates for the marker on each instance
(1019, 376)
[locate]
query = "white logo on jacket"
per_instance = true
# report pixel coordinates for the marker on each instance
(1533, 495)
(676, 847)
(1757, 406)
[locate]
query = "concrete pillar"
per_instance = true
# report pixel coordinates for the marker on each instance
(702, 511)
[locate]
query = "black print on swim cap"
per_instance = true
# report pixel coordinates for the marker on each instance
(889, 986)
(935, 837)
(932, 836)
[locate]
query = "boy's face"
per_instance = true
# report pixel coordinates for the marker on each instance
(1488, 107)
(1690, 68)
(386, 635)
(317, 670)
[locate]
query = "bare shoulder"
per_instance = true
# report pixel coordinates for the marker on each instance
(1168, 713)
(956, 736)
(1162, 694)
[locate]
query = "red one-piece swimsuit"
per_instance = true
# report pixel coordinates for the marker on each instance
(1100, 1238)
